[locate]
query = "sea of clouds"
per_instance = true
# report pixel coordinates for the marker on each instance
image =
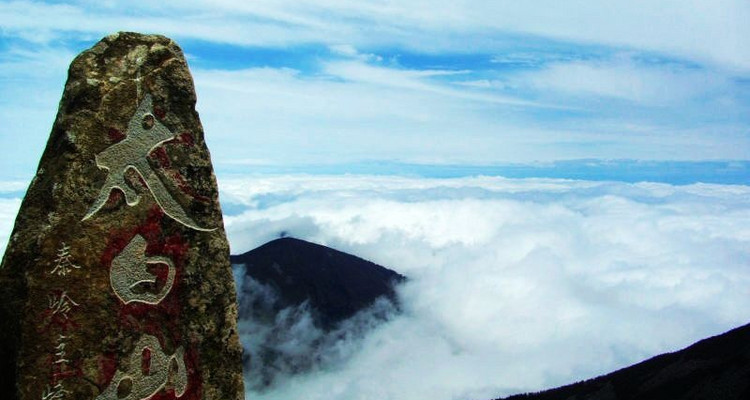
(515, 285)
(282, 343)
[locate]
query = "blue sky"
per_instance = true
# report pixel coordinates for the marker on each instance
(301, 83)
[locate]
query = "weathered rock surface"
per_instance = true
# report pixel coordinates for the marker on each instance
(116, 282)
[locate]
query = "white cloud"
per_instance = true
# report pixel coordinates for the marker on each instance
(8, 210)
(623, 78)
(281, 343)
(376, 113)
(356, 111)
(350, 51)
(10, 187)
(417, 80)
(31, 81)
(516, 285)
(710, 31)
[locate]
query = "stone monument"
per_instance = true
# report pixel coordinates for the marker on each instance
(116, 282)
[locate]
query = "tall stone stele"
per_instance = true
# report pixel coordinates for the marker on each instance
(116, 282)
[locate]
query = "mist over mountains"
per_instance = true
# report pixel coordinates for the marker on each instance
(515, 285)
(303, 307)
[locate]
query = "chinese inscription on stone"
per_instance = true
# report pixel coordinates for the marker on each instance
(129, 277)
(144, 134)
(116, 282)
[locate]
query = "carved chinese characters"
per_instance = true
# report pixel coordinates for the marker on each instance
(58, 323)
(60, 305)
(130, 272)
(144, 134)
(116, 282)
(63, 264)
(159, 368)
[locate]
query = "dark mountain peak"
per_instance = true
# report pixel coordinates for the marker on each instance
(304, 306)
(335, 284)
(713, 368)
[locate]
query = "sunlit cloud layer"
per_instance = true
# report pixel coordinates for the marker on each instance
(515, 285)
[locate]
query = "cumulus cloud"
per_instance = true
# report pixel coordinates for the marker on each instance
(516, 285)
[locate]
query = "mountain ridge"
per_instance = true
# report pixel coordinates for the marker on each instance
(717, 367)
(334, 283)
(305, 307)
